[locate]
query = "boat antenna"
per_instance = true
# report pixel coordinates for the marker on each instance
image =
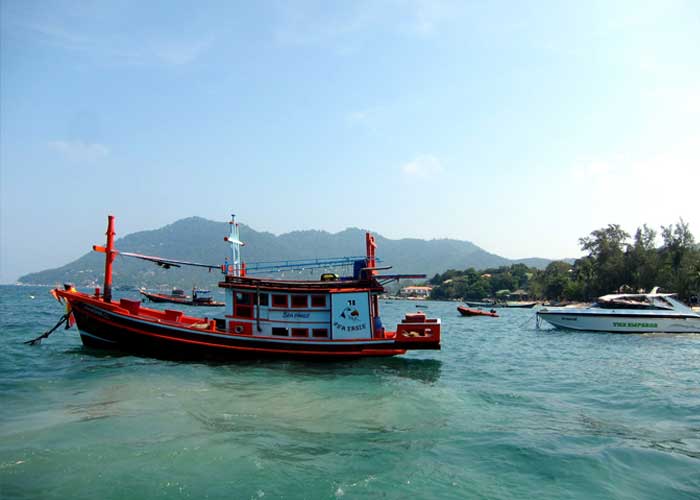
(235, 267)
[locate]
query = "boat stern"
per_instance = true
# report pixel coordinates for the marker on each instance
(417, 331)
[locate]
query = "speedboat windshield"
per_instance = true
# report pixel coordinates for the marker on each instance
(634, 301)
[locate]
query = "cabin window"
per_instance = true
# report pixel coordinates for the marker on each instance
(318, 301)
(242, 298)
(279, 300)
(665, 303)
(264, 299)
(300, 301)
(300, 332)
(280, 332)
(243, 306)
(243, 312)
(320, 332)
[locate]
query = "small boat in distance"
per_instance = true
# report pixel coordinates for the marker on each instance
(627, 313)
(468, 311)
(480, 303)
(524, 304)
(177, 296)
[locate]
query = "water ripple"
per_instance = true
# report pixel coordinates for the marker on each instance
(503, 411)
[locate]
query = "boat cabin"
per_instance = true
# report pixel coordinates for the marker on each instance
(330, 309)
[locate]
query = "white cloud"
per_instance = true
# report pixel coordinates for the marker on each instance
(424, 167)
(78, 151)
(655, 189)
(180, 52)
(358, 116)
(425, 16)
(118, 49)
(305, 23)
(367, 119)
(683, 99)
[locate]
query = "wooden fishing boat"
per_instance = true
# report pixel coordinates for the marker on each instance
(480, 303)
(522, 304)
(177, 296)
(468, 311)
(337, 317)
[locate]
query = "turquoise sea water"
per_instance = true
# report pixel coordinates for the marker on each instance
(503, 411)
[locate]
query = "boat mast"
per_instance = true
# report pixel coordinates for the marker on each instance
(110, 254)
(235, 267)
(371, 259)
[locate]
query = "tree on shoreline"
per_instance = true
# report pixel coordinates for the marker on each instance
(613, 264)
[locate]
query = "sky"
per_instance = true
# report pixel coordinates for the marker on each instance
(519, 126)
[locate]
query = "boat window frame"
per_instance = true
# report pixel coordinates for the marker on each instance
(243, 308)
(276, 296)
(239, 293)
(316, 297)
(663, 303)
(298, 298)
(300, 332)
(316, 333)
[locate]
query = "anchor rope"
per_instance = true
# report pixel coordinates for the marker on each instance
(44, 335)
(524, 323)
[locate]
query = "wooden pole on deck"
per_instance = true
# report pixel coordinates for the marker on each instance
(109, 258)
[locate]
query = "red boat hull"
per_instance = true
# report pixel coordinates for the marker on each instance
(467, 311)
(169, 334)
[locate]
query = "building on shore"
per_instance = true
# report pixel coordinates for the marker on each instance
(416, 291)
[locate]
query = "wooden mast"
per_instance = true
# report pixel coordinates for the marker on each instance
(110, 253)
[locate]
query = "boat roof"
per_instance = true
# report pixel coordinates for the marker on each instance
(635, 300)
(632, 296)
(294, 285)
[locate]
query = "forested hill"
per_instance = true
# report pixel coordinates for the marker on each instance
(201, 240)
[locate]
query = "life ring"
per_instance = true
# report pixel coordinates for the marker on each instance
(238, 329)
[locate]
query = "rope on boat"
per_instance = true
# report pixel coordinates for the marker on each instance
(44, 335)
(528, 320)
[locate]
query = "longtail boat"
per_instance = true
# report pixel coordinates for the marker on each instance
(335, 317)
(468, 311)
(177, 296)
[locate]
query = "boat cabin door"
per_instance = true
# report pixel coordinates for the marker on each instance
(350, 317)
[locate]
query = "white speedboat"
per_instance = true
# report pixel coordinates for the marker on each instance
(627, 313)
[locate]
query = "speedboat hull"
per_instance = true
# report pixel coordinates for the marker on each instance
(620, 322)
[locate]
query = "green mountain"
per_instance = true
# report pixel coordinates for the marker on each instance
(200, 240)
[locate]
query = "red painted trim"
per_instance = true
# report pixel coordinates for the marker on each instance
(217, 332)
(290, 288)
(295, 322)
(364, 352)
